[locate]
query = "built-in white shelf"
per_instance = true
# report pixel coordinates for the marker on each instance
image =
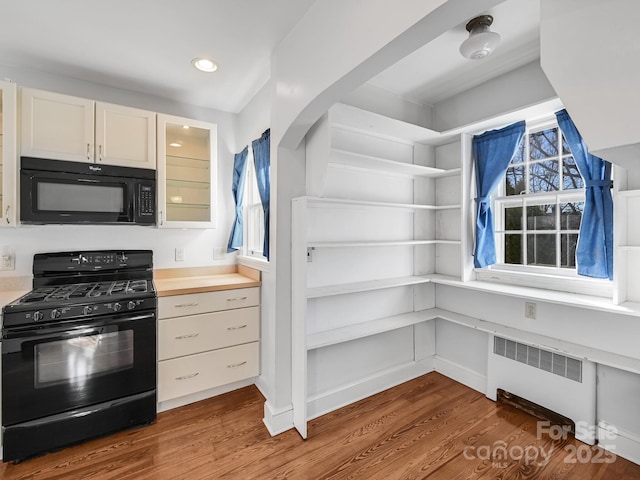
(356, 119)
(568, 348)
(364, 329)
(367, 286)
(378, 243)
(368, 162)
(320, 201)
(629, 248)
(629, 193)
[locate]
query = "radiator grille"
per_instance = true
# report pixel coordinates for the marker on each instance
(555, 363)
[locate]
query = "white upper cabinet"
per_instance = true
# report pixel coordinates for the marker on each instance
(186, 172)
(7, 154)
(63, 127)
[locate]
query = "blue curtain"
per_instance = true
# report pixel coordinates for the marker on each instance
(594, 254)
(493, 151)
(239, 177)
(262, 160)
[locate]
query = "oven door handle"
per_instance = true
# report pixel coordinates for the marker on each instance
(71, 329)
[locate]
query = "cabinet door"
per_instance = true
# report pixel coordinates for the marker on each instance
(125, 136)
(8, 157)
(186, 172)
(56, 126)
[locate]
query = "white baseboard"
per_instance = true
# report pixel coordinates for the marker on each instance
(365, 387)
(277, 421)
(619, 442)
(196, 397)
(461, 374)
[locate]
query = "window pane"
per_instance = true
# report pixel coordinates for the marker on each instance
(518, 156)
(541, 217)
(565, 146)
(543, 176)
(515, 181)
(541, 249)
(513, 218)
(543, 144)
(513, 249)
(568, 243)
(571, 215)
(571, 176)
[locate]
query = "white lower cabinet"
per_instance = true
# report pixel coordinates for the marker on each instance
(206, 340)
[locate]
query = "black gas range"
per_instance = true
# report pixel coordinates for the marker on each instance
(79, 351)
(82, 285)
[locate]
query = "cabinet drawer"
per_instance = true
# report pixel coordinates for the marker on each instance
(194, 373)
(194, 303)
(207, 331)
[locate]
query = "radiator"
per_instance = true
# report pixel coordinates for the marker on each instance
(558, 382)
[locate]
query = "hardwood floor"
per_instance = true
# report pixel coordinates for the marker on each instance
(430, 427)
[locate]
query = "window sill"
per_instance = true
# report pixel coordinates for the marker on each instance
(540, 280)
(529, 293)
(261, 264)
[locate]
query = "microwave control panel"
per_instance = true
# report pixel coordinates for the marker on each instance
(147, 197)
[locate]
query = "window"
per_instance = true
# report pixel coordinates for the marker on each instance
(539, 205)
(254, 213)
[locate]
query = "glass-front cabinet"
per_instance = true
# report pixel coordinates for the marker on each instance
(186, 172)
(8, 159)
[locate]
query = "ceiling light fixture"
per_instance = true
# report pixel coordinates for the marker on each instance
(175, 145)
(205, 64)
(481, 41)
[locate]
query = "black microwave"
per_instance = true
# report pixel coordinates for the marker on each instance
(55, 191)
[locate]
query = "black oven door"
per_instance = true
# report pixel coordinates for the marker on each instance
(60, 197)
(51, 370)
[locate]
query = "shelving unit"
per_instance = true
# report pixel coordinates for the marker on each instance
(365, 242)
(626, 238)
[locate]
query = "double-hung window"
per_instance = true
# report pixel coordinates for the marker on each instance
(254, 213)
(539, 206)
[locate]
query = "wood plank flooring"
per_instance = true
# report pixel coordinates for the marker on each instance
(430, 427)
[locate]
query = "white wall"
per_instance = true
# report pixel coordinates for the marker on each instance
(198, 244)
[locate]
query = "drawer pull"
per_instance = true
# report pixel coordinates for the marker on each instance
(189, 335)
(235, 365)
(186, 377)
(236, 299)
(185, 305)
(237, 327)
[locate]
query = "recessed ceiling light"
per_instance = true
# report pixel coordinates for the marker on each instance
(186, 127)
(204, 64)
(175, 144)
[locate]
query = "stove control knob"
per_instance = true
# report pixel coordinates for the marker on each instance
(37, 316)
(116, 307)
(55, 313)
(87, 310)
(131, 305)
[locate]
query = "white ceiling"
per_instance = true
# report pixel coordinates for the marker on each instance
(147, 46)
(438, 71)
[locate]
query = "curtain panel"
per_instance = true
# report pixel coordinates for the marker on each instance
(492, 152)
(594, 254)
(262, 160)
(239, 178)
